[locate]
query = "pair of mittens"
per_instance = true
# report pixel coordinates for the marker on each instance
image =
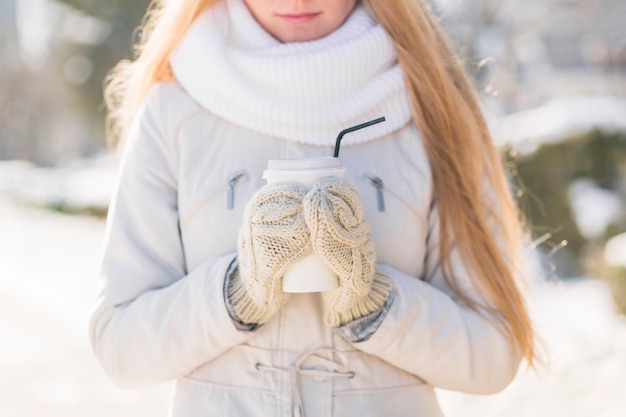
(282, 224)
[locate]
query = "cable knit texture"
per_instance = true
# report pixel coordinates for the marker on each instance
(304, 91)
(272, 237)
(341, 236)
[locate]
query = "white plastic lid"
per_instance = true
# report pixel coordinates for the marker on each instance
(304, 169)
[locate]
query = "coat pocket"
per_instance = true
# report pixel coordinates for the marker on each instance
(408, 401)
(225, 189)
(398, 218)
(378, 388)
(211, 211)
(229, 385)
(194, 398)
(385, 194)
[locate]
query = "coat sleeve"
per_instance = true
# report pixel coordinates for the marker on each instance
(429, 333)
(154, 320)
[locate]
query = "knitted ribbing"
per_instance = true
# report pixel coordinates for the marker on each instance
(341, 236)
(335, 316)
(273, 235)
(304, 91)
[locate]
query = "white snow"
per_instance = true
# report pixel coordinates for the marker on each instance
(615, 251)
(559, 118)
(78, 186)
(594, 208)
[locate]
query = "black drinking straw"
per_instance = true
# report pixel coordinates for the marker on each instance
(352, 129)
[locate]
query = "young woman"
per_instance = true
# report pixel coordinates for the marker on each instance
(422, 232)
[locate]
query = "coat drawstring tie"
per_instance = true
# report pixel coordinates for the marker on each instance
(332, 369)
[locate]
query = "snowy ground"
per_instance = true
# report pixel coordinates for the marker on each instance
(585, 373)
(48, 269)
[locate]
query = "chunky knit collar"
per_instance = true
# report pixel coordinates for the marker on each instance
(305, 91)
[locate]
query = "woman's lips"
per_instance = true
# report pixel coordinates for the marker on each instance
(299, 17)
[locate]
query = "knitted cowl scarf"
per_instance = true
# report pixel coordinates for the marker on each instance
(303, 91)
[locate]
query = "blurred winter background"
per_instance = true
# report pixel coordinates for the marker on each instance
(552, 79)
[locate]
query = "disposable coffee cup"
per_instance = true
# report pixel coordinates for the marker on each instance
(310, 274)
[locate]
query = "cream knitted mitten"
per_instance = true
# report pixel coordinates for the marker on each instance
(341, 236)
(273, 235)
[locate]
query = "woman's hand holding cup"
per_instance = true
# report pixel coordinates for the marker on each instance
(273, 236)
(341, 237)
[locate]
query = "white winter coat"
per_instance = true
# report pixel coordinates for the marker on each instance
(184, 181)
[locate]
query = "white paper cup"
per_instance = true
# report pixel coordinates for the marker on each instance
(310, 274)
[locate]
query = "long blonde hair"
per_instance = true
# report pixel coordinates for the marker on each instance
(463, 158)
